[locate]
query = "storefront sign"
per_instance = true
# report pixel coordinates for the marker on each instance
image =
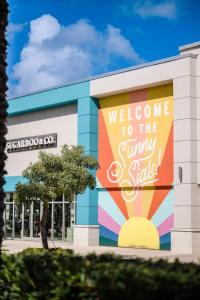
(32, 143)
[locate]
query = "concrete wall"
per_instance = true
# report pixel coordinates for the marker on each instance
(186, 232)
(61, 120)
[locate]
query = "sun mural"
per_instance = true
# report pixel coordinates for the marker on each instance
(135, 178)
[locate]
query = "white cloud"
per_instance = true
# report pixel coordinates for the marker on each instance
(117, 44)
(57, 54)
(149, 8)
(44, 28)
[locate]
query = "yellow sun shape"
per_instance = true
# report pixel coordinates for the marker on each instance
(139, 232)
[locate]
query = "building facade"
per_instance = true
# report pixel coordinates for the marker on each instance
(143, 126)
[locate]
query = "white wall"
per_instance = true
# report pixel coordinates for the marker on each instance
(186, 232)
(143, 77)
(60, 120)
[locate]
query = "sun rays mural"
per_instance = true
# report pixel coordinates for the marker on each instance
(135, 178)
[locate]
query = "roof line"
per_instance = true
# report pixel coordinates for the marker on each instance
(145, 65)
(140, 66)
(189, 46)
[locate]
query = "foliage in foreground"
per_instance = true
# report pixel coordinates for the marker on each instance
(60, 274)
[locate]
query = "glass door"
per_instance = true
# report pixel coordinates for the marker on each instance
(27, 218)
(9, 220)
(50, 221)
(69, 221)
(58, 220)
(17, 220)
(62, 220)
(36, 219)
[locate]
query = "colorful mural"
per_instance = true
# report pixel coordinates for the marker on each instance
(135, 205)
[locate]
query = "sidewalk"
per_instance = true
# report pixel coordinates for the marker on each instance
(15, 246)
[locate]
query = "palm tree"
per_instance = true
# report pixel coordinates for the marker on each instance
(3, 105)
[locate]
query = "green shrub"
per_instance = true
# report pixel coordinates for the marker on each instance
(60, 274)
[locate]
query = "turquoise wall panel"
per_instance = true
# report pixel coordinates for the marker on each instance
(87, 208)
(86, 123)
(88, 106)
(89, 140)
(88, 198)
(87, 203)
(87, 215)
(49, 98)
(11, 182)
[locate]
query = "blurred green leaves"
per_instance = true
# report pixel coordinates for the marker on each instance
(53, 175)
(60, 274)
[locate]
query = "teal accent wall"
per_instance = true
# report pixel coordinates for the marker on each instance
(11, 181)
(49, 98)
(87, 203)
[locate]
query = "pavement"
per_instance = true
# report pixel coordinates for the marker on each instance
(16, 246)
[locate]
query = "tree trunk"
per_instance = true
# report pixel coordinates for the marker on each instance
(43, 226)
(3, 106)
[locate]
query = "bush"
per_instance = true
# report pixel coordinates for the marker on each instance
(60, 274)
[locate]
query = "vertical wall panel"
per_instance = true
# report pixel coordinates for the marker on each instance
(87, 203)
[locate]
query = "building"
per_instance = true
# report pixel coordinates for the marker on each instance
(143, 125)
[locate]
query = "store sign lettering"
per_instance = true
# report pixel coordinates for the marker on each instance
(32, 143)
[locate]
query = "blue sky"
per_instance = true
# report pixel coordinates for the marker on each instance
(53, 42)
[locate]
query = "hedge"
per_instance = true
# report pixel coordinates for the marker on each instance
(60, 274)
